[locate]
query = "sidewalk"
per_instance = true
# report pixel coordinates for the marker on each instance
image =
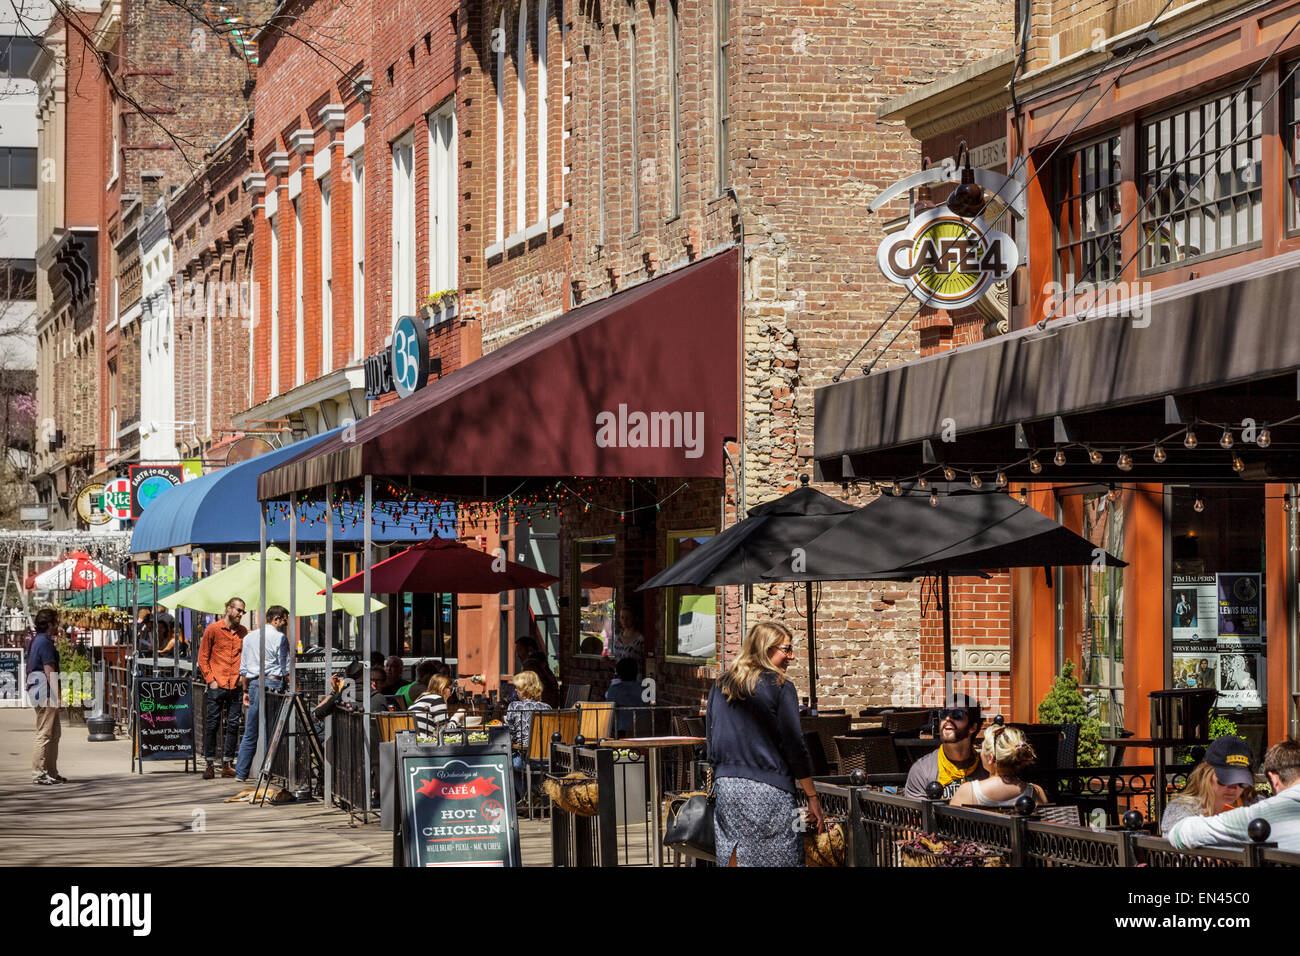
(109, 816)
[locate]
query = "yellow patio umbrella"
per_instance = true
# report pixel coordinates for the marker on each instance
(243, 580)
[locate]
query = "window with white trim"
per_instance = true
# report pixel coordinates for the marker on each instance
(521, 123)
(541, 110)
(326, 280)
(357, 164)
(633, 79)
(299, 305)
(275, 306)
(499, 45)
(442, 199)
(403, 213)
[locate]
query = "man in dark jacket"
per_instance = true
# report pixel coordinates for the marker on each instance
(43, 689)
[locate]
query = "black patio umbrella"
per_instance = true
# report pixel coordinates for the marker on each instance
(964, 534)
(742, 553)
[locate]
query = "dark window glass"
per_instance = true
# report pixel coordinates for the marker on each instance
(17, 54)
(22, 169)
(1088, 214)
(17, 279)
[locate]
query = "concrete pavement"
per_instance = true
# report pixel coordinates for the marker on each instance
(109, 816)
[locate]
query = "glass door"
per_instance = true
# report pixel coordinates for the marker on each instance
(1101, 640)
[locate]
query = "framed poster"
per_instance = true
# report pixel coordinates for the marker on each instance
(1239, 606)
(456, 803)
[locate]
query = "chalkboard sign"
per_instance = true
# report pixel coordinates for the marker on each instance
(11, 677)
(457, 803)
(164, 718)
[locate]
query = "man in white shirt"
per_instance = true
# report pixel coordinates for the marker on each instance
(1282, 810)
(271, 641)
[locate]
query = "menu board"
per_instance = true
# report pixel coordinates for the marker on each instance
(11, 677)
(164, 718)
(457, 804)
(1218, 636)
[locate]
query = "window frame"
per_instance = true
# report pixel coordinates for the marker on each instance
(1071, 152)
(722, 94)
(670, 601)
(326, 274)
(443, 199)
(403, 233)
(575, 578)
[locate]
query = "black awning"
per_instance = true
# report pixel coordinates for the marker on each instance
(1225, 347)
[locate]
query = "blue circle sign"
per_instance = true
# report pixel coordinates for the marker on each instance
(409, 355)
(150, 489)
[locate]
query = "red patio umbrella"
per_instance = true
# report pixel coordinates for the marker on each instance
(443, 566)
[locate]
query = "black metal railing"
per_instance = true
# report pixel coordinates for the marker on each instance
(293, 751)
(882, 821)
(579, 840)
(350, 774)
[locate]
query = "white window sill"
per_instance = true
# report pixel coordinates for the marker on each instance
(557, 219)
(494, 250)
(517, 239)
(536, 229)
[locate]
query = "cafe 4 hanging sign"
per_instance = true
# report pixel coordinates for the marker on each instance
(947, 261)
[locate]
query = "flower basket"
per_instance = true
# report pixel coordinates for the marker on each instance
(927, 850)
(825, 849)
(575, 793)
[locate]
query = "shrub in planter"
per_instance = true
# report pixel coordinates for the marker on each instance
(1065, 704)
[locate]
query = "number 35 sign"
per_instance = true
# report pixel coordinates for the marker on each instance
(404, 368)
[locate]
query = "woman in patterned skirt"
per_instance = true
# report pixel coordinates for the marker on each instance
(758, 755)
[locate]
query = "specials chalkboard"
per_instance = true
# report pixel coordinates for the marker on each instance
(11, 677)
(164, 718)
(456, 803)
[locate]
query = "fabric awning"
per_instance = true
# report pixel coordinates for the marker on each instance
(642, 384)
(1222, 345)
(219, 512)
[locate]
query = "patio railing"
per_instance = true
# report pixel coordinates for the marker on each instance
(578, 840)
(350, 777)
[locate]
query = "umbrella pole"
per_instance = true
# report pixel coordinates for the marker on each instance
(812, 648)
(947, 645)
(153, 618)
(366, 630)
(329, 622)
(293, 624)
(259, 750)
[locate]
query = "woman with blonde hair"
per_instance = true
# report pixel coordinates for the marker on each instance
(1006, 755)
(1222, 781)
(758, 755)
(519, 718)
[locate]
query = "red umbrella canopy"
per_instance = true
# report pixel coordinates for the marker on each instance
(76, 572)
(443, 566)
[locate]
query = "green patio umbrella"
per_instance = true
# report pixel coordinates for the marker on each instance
(242, 580)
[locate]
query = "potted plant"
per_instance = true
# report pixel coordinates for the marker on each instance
(437, 303)
(1065, 704)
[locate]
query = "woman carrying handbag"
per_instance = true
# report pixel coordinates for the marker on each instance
(758, 755)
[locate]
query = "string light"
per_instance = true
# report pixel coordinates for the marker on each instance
(1059, 458)
(922, 483)
(1023, 497)
(1034, 465)
(948, 473)
(1237, 464)
(1124, 462)
(1198, 506)
(1225, 442)
(1286, 502)
(1264, 439)
(1094, 456)
(897, 489)
(1002, 479)
(934, 499)
(1159, 455)
(976, 481)
(1189, 440)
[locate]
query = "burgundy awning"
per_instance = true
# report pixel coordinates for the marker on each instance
(643, 384)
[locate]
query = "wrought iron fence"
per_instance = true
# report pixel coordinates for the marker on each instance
(581, 840)
(292, 752)
(351, 776)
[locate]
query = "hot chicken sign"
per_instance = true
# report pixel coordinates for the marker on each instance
(946, 260)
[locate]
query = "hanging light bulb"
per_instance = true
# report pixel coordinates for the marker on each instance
(1094, 456)
(922, 483)
(1159, 455)
(1113, 493)
(1002, 479)
(934, 499)
(1226, 440)
(1023, 496)
(1035, 465)
(897, 489)
(948, 473)
(1125, 461)
(1286, 502)
(1198, 506)
(976, 481)
(873, 488)
(1059, 458)
(1189, 440)
(1237, 464)
(1264, 438)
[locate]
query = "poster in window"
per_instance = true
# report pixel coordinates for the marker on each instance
(1194, 609)
(697, 621)
(1239, 605)
(1196, 670)
(1242, 676)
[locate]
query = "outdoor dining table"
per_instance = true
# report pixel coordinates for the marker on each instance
(653, 745)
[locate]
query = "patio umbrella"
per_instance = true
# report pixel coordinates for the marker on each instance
(742, 553)
(242, 580)
(444, 566)
(964, 534)
(76, 572)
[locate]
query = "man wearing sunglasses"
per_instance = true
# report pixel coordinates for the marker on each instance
(955, 761)
(220, 651)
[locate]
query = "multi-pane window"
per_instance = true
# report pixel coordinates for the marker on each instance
(17, 279)
(326, 280)
(17, 167)
(1291, 141)
(442, 199)
(521, 123)
(674, 113)
(403, 211)
(275, 305)
(358, 168)
(1201, 179)
(1088, 214)
(17, 54)
(299, 299)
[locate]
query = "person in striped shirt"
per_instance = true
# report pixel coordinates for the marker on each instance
(430, 708)
(1282, 810)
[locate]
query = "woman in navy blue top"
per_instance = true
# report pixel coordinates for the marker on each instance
(758, 754)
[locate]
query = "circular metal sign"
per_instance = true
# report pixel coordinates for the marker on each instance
(117, 498)
(90, 504)
(409, 355)
(947, 261)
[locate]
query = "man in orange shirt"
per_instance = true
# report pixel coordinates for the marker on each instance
(220, 650)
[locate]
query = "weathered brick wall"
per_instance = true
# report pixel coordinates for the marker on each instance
(1062, 28)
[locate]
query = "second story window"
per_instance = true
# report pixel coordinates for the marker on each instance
(1087, 184)
(1201, 172)
(1291, 143)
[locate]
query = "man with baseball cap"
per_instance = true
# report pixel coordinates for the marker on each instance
(1282, 810)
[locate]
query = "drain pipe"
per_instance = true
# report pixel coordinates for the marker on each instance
(745, 589)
